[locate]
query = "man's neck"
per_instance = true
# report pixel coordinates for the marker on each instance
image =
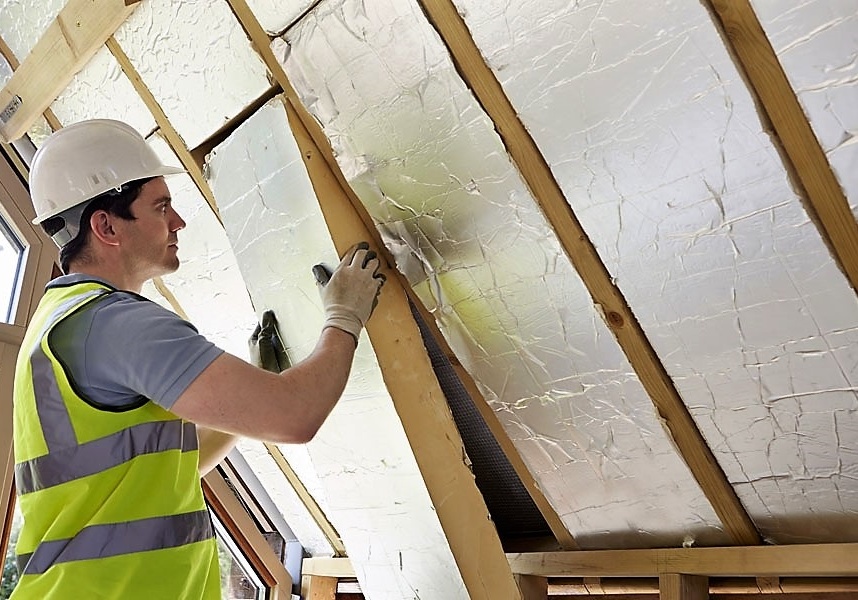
(115, 278)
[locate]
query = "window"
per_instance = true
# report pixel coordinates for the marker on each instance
(11, 266)
(238, 579)
(10, 568)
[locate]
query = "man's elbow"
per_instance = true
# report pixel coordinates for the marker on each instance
(295, 435)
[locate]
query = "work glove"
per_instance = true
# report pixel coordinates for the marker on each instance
(350, 293)
(266, 347)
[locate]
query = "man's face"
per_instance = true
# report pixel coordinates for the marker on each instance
(152, 238)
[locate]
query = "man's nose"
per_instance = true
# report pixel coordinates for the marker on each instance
(177, 222)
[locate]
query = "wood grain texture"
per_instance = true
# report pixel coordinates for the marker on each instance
(71, 39)
(811, 560)
(776, 98)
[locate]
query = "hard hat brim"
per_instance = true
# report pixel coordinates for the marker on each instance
(162, 171)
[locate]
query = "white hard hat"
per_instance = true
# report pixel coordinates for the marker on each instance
(83, 160)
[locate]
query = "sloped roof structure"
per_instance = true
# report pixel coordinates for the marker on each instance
(620, 333)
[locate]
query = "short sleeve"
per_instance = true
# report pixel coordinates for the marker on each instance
(123, 347)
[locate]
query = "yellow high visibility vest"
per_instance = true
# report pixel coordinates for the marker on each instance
(111, 498)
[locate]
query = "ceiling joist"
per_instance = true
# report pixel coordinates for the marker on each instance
(584, 257)
(804, 156)
(811, 560)
(74, 36)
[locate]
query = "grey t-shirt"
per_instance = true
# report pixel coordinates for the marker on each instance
(122, 347)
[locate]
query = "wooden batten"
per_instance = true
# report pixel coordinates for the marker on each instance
(802, 154)
(73, 37)
(316, 512)
(811, 560)
(584, 257)
(174, 140)
(418, 400)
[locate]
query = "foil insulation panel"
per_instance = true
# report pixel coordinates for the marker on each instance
(658, 147)
(426, 162)
(816, 42)
(197, 61)
(276, 15)
(373, 491)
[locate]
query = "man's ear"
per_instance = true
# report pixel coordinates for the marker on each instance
(101, 224)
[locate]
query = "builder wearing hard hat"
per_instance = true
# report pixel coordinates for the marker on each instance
(119, 405)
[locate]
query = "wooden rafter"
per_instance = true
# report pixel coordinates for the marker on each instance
(73, 37)
(802, 154)
(584, 257)
(417, 399)
(261, 42)
(812, 560)
(174, 140)
(14, 63)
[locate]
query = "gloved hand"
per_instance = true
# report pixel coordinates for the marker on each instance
(351, 293)
(266, 347)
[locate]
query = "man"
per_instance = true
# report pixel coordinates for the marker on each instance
(119, 405)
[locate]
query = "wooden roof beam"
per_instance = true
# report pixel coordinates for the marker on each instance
(802, 155)
(417, 398)
(261, 42)
(14, 63)
(73, 37)
(618, 315)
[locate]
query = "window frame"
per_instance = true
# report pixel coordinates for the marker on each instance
(37, 266)
(248, 539)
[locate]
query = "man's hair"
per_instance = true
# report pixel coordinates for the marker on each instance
(116, 202)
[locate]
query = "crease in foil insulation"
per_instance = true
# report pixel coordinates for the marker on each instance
(425, 161)
(372, 490)
(816, 43)
(656, 143)
(196, 60)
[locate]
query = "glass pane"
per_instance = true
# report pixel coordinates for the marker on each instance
(11, 262)
(10, 569)
(238, 580)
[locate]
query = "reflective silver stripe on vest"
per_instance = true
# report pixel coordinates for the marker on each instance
(53, 414)
(49, 404)
(68, 464)
(114, 539)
